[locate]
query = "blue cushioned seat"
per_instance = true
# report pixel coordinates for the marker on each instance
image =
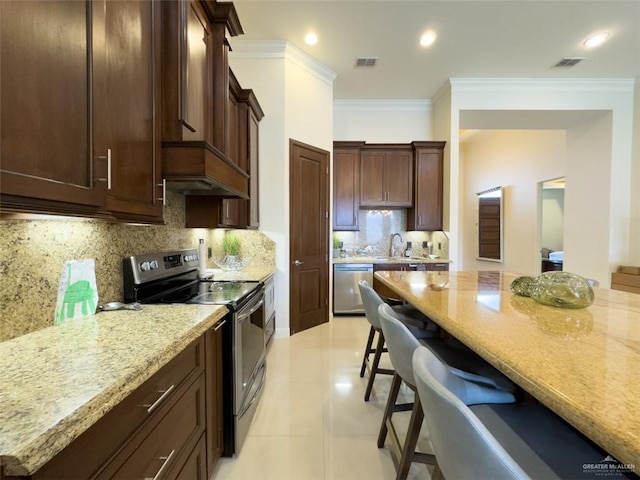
(511, 442)
(419, 325)
(401, 344)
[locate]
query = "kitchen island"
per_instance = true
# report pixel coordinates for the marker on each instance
(582, 364)
(59, 381)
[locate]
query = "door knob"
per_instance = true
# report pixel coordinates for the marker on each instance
(297, 263)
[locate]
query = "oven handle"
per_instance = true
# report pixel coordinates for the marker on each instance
(257, 394)
(242, 314)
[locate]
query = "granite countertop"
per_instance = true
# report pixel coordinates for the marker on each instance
(250, 273)
(57, 382)
(382, 260)
(582, 364)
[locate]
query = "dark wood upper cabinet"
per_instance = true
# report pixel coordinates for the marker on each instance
(197, 147)
(186, 73)
(127, 95)
(47, 159)
(426, 213)
(346, 185)
(206, 211)
(386, 176)
(79, 134)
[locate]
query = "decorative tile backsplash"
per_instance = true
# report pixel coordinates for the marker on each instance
(33, 252)
(376, 228)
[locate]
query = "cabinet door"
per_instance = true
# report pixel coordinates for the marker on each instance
(386, 178)
(253, 215)
(186, 97)
(231, 213)
(126, 99)
(398, 179)
(427, 211)
(46, 154)
(372, 184)
(214, 396)
(346, 188)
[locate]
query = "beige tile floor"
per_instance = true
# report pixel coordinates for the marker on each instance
(312, 421)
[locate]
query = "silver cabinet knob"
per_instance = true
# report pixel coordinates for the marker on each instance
(297, 263)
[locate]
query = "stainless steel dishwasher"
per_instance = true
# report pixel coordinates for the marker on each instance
(346, 294)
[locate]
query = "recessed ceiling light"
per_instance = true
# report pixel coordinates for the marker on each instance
(596, 39)
(311, 39)
(428, 38)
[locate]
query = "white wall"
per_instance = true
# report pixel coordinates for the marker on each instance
(634, 239)
(296, 94)
(516, 160)
(586, 96)
(382, 121)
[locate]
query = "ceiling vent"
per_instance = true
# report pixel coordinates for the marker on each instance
(568, 62)
(366, 62)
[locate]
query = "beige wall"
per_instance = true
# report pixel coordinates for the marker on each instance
(296, 94)
(517, 160)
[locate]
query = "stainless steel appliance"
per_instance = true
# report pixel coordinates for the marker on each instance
(172, 277)
(346, 294)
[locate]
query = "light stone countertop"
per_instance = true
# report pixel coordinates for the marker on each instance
(57, 382)
(583, 364)
(250, 273)
(383, 260)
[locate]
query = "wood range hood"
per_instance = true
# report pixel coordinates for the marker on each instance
(198, 148)
(199, 168)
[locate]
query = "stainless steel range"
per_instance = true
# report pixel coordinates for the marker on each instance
(172, 278)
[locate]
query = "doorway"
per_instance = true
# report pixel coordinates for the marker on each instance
(552, 224)
(309, 236)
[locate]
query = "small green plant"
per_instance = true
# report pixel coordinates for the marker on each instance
(336, 242)
(231, 244)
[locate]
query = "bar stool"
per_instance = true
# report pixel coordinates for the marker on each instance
(510, 442)
(402, 344)
(419, 325)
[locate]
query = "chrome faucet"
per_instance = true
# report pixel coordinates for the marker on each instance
(392, 249)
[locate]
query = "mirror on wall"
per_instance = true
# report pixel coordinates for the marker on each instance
(490, 220)
(552, 224)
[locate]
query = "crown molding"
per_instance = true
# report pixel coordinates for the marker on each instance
(383, 105)
(541, 84)
(281, 49)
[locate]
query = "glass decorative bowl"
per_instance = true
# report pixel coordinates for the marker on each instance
(562, 289)
(232, 263)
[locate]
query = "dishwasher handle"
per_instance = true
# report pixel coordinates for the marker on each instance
(353, 268)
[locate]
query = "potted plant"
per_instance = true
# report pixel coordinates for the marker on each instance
(337, 244)
(231, 246)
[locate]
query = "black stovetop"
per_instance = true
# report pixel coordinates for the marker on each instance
(172, 277)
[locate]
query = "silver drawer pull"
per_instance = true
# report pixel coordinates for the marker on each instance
(108, 158)
(165, 464)
(219, 326)
(156, 404)
(164, 191)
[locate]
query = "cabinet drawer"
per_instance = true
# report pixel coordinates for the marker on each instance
(92, 450)
(195, 466)
(439, 267)
(160, 450)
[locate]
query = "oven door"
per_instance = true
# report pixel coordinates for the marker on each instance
(249, 346)
(249, 366)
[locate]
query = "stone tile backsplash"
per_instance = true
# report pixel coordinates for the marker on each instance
(376, 228)
(33, 252)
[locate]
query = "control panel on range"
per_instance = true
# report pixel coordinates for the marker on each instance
(145, 268)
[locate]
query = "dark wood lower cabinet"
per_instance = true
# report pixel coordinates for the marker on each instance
(195, 468)
(214, 396)
(170, 427)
